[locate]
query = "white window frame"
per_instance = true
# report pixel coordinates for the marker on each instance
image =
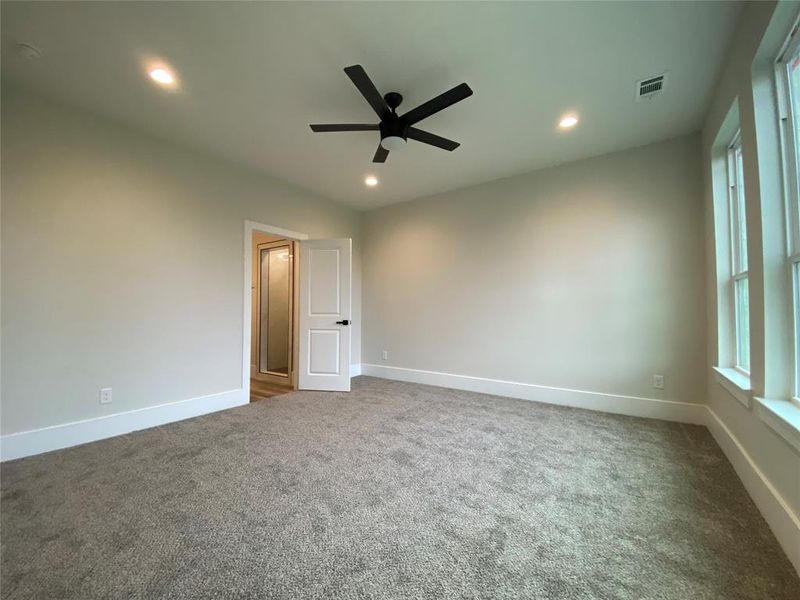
(791, 181)
(738, 255)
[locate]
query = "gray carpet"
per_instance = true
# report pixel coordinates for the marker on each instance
(393, 491)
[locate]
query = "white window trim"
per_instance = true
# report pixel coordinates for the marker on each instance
(790, 183)
(783, 417)
(736, 251)
(791, 188)
(736, 383)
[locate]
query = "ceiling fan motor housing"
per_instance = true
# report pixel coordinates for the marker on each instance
(394, 133)
(393, 126)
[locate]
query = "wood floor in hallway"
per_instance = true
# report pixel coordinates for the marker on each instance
(259, 390)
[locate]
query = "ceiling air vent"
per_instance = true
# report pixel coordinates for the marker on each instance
(650, 87)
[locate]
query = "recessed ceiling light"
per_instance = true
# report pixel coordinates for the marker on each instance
(162, 76)
(568, 121)
(371, 180)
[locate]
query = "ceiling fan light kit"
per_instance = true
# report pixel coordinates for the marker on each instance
(393, 142)
(396, 129)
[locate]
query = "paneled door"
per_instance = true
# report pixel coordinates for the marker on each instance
(325, 315)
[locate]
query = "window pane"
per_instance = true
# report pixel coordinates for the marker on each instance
(794, 90)
(796, 284)
(793, 68)
(742, 324)
(741, 230)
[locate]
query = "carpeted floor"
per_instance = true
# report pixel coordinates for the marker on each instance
(394, 491)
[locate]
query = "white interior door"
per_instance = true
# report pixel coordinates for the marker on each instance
(325, 315)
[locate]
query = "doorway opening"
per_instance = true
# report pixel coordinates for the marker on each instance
(296, 312)
(273, 269)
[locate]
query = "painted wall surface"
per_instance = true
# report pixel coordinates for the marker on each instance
(587, 276)
(747, 83)
(122, 264)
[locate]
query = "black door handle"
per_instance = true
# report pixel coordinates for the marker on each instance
(345, 322)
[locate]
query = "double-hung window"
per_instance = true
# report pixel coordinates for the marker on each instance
(739, 283)
(788, 80)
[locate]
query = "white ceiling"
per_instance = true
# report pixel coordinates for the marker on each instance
(255, 74)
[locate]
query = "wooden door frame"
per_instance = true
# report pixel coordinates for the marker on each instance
(289, 378)
(247, 300)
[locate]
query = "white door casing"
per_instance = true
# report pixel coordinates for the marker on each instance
(325, 292)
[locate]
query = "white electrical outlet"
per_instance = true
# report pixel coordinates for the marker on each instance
(105, 396)
(385, 355)
(658, 382)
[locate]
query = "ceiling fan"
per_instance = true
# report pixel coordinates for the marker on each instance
(395, 130)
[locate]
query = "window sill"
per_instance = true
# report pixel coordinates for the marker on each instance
(736, 383)
(783, 417)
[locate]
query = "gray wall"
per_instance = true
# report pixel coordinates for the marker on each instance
(586, 276)
(122, 264)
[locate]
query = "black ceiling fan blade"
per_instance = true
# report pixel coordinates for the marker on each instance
(380, 154)
(364, 84)
(431, 138)
(442, 101)
(345, 127)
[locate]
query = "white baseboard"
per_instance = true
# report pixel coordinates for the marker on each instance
(355, 370)
(36, 441)
(669, 410)
(784, 523)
